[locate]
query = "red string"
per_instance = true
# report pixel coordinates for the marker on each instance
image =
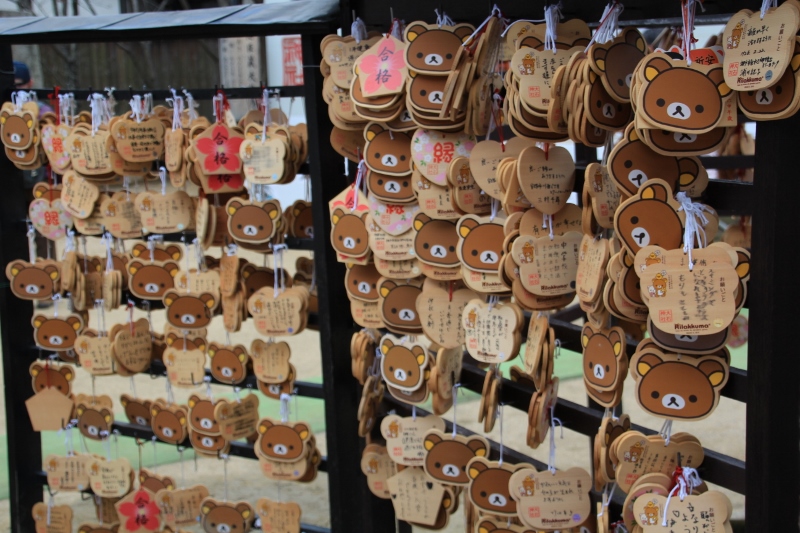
(130, 311)
(451, 291)
(677, 475)
(546, 151)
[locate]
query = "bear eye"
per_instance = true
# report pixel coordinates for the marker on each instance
(419, 54)
(291, 447)
(22, 285)
(483, 494)
(634, 220)
(628, 163)
(141, 284)
(474, 252)
(425, 246)
(699, 108)
(660, 102)
(778, 90)
(750, 93)
(452, 248)
(340, 237)
(358, 241)
(403, 158)
(449, 56)
(162, 285)
(377, 156)
(394, 311)
(355, 282)
(654, 394)
(608, 368)
(391, 369)
(269, 445)
(45, 337)
(423, 92)
(239, 226)
(620, 82)
(177, 315)
(438, 465)
(599, 104)
(619, 107)
(380, 182)
(692, 398)
(198, 316)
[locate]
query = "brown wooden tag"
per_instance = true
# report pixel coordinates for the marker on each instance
(491, 331)
(398, 269)
(197, 281)
(638, 455)
(165, 213)
(485, 158)
(56, 519)
(433, 151)
(546, 178)
(592, 261)
(78, 195)
(366, 314)
(181, 506)
(94, 353)
(69, 473)
(133, 346)
(54, 143)
(185, 368)
(139, 141)
(415, 498)
(440, 305)
(378, 467)
(88, 152)
(237, 419)
(405, 437)
(553, 266)
(547, 500)
(278, 315)
(709, 512)
(110, 479)
(263, 162)
(270, 360)
(278, 517)
(120, 215)
(49, 410)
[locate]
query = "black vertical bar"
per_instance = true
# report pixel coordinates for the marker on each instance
(24, 445)
(353, 508)
(773, 397)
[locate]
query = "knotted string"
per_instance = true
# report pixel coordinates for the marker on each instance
(442, 19)
(609, 24)
(358, 30)
(687, 479)
(695, 221)
(551, 462)
(552, 15)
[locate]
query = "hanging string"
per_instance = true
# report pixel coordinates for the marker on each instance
(687, 479)
(265, 105)
(606, 497)
(609, 24)
(502, 447)
(552, 15)
(666, 431)
(20, 98)
(687, 11)
(133, 388)
(360, 175)
(442, 19)
(177, 109)
(180, 454)
(495, 207)
(97, 105)
(31, 233)
(285, 407)
(358, 29)
(767, 5)
(209, 392)
(111, 102)
(547, 223)
(278, 250)
(693, 233)
(217, 102)
(456, 387)
(137, 109)
(191, 106)
(495, 13)
(532, 21)
(551, 463)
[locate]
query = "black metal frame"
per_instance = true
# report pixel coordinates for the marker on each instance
(771, 483)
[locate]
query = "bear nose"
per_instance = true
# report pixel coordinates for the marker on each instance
(363, 287)
(280, 449)
(55, 340)
(31, 289)
(609, 111)
(223, 528)
(637, 177)
(151, 288)
(141, 421)
(93, 431)
(433, 59)
(168, 432)
(679, 111)
(227, 372)
(392, 186)
(628, 79)
(435, 97)
(686, 338)
(764, 97)
(488, 257)
(349, 243)
(389, 160)
(685, 137)
(207, 442)
(400, 374)
(450, 470)
(407, 315)
(599, 371)
(640, 236)
(438, 250)
(496, 499)
(673, 401)
(206, 423)
(187, 319)
(250, 230)
(16, 137)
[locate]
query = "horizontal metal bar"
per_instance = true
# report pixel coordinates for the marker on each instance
(231, 93)
(728, 162)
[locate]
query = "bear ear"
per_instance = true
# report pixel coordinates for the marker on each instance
(412, 74)
(52, 271)
(107, 416)
(75, 322)
(420, 220)
(743, 267)
(431, 441)
(233, 206)
(174, 252)
(689, 171)
(171, 338)
(592, 76)
(155, 409)
(38, 320)
(656, 191)
(241, 355)
(373, 130)
(80, 409)
(716, 76)
(647, 362)
(337, 215)
(656, 66)
(302, 430)
(170, 296)
(248, 270)
(466, 225)
(208, 299)
(134, 266)
(486, 527)
(14, 268)
(478, 446)
(193, 400)
(632, 135)
(171, 268)
(124, 400)
(264, 425)
(714, 370)
(420, 354)
(386, 287)
(599, 56)
(4, 116)
(212, 349)
(36, 368)
(138, 250)
(85, 528)
(385, 345)
(616, 341)
(412, 32)
(207, 506)
(245, 510)
(795, 59)
(463, 31)
(27, 116)
(272, 209)
(586, 334)
(67, 372)
(475, 468)
(633, 37)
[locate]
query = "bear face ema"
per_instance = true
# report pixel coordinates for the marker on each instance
(303, 221)
(361, 282)
(387, 152)
(57, 377)
(93, 423)
(649, 219)
(682, 142)
(169, 426)
(403, 367)
(188, 311)
(446, 460)
(281, 442)
(436, 241)
(209, 444)
(137, 411)
(619, 61)
(226, 517)
(201, 415)
(679, 390)
(17, 130)
(349, 233)
(667, 102)
(155, 483)
(775, 99)
(56, 333)
(227, 365)
(252, 223)
(604, 110)
(390, 188)
(400, 304)
(170, 253)
(632, 163)
(481, 245)
(489, 489)
(427, 92)
(32, 282)
(150, 281)
(602, 354)
(433, 49)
